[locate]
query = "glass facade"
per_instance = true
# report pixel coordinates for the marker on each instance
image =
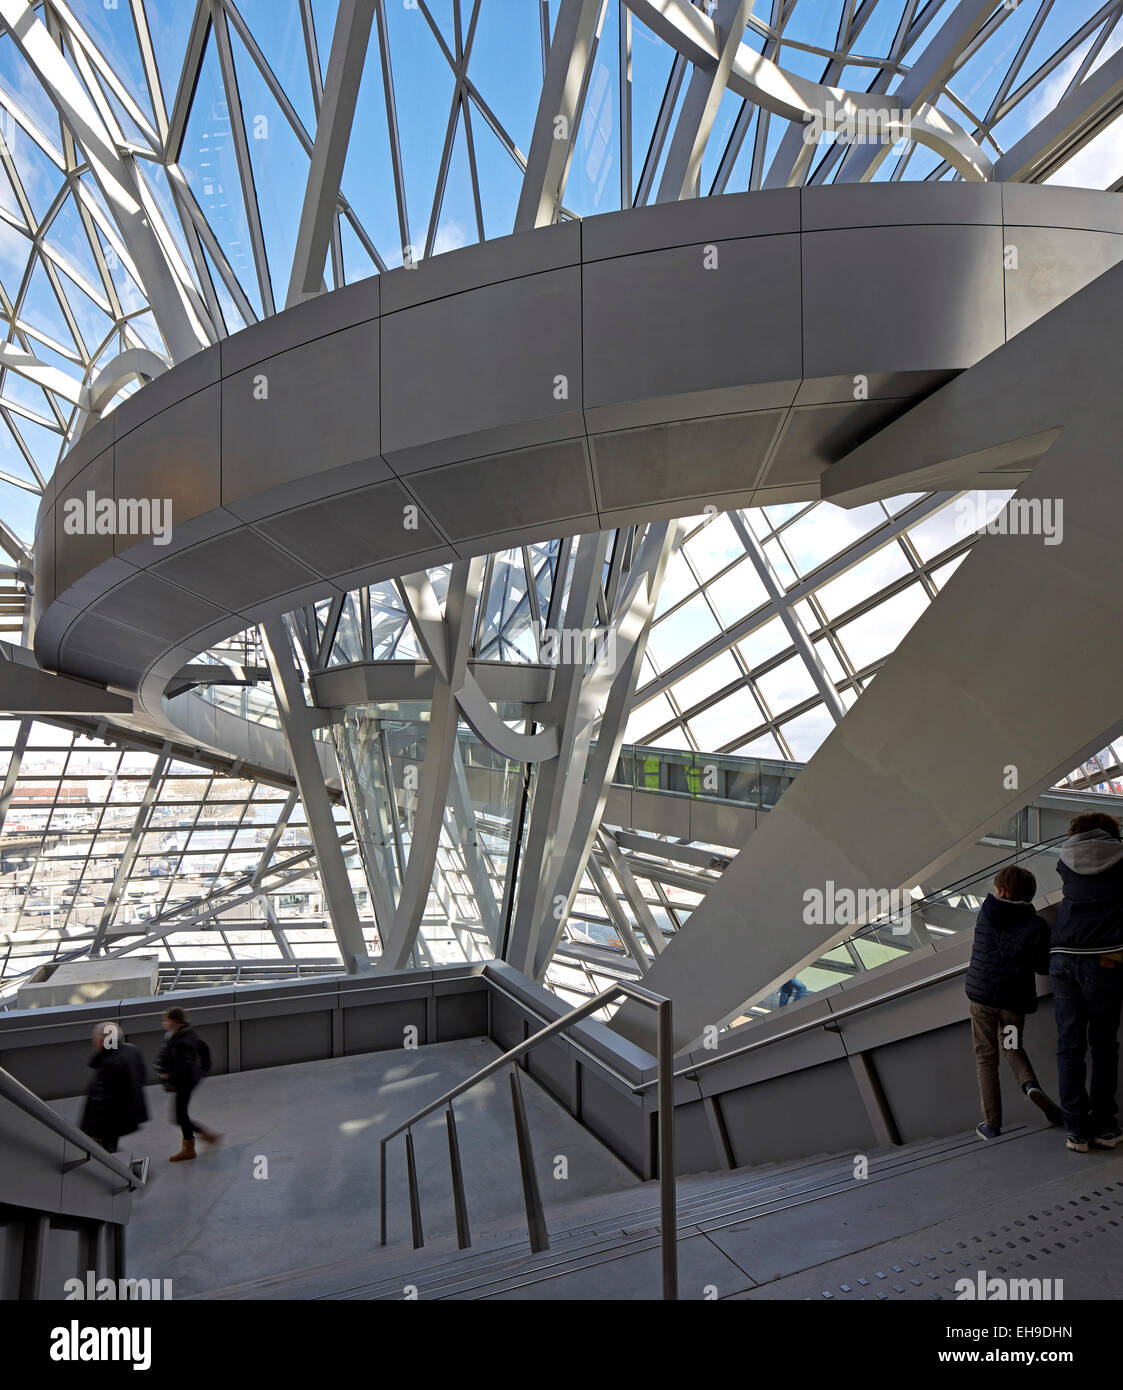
(770, 622)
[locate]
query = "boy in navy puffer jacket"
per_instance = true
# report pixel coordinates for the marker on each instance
(1011, 946)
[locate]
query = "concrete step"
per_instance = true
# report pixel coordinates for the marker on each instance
(587, 1245)
(587, 1231)
(593, 1219)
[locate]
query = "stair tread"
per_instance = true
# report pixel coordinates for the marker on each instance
(586, 1229)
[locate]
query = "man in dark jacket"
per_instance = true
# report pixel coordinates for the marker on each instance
(1086, 963)
(1010, 947)
(115, 1104)
(183, 1062)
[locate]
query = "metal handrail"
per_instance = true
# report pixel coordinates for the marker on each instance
(901, 990)
(958, 885)
(30, 1104)
(535, 1219)
(809, 1024)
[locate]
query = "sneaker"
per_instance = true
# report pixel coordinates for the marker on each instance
(1076, 1144)
(987, 1131)
(1049, 1108)
(1109, 1139)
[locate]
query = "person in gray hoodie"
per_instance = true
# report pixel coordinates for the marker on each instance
(1086, 966)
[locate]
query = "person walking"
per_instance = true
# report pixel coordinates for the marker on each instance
(791, 991)
(1086, 965)
(1010, 947)
(183, 1062)
(115, 1102)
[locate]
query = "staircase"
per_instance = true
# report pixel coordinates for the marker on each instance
(611, 1243)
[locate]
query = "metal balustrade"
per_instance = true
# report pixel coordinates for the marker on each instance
(532, 1197)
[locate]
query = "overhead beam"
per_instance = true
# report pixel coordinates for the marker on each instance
(921, 84)
(555, 124)
(700, 106)
(25, 688)
(1069, 126)
(169, 294)
(329, 154)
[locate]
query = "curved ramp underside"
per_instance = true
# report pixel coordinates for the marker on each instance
(723, 353)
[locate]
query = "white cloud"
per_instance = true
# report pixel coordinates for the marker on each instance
(449, 236)
(1098, 165)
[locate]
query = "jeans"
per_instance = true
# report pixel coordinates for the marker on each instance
(1087, 997)
(990, 1037)
(182, 1118)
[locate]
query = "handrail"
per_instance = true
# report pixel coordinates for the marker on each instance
(535, 1220)
(811, 1023)
(27, 1101)
(859, 1006)
(959, 884)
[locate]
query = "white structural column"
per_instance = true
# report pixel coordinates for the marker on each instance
(440, 747)
(788, 616)
(463, 816)
(298, 721)
(985, 702)
(545, 836)
(176, 304)
(333, 134)
(700, 105)
(631, 890)
(555, 125)
(602, 712)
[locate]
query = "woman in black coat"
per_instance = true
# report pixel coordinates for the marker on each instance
(183, 1062)
(115, 1103)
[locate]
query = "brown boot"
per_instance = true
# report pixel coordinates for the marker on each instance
(186, 1151)
(208, 1135)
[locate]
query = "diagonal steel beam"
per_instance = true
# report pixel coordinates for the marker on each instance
(617, 916)
(631, 890)
(700, 106)
(132, 846)
(115, 173)
(333, 135)
(440, 746)
(555, 124)
(1076, 119)
(545, 828)
(922, 83)
(297, 721)
(605, 711)
(242, 152)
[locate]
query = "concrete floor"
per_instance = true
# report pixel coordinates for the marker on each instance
(294, 1184)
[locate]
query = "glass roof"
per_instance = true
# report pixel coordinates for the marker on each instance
(213, 112)
(770, 622)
